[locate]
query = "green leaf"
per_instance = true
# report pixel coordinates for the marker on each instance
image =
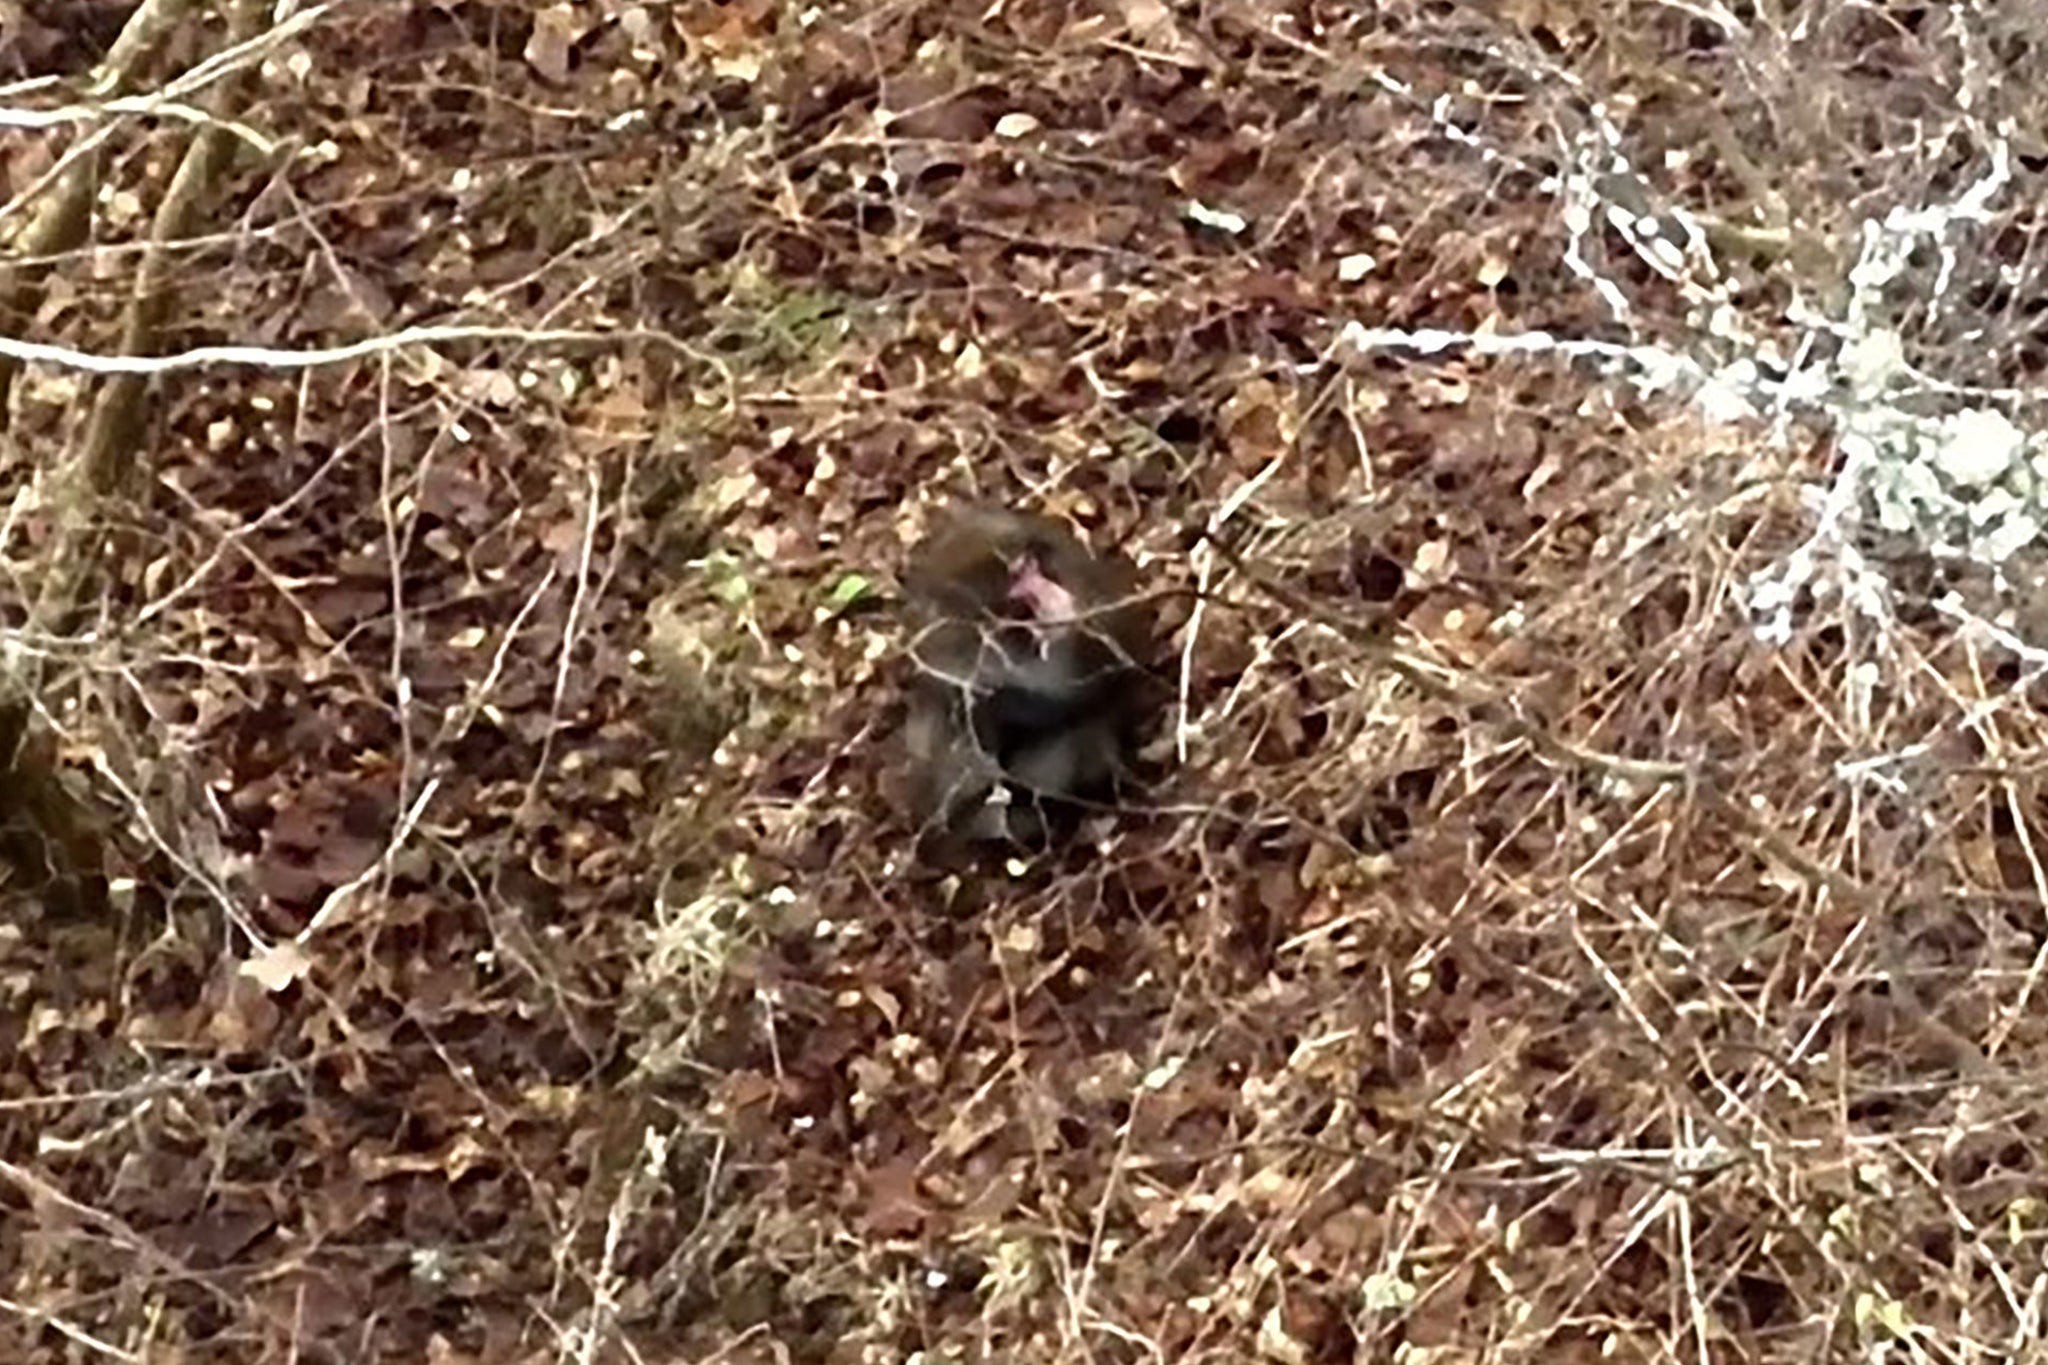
(728, 580)
(850, 589)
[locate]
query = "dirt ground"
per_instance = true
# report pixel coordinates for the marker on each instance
(1590, 906)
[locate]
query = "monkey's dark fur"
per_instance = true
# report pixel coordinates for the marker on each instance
(1030, 657)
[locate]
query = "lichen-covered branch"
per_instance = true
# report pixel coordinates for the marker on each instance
(61, 223)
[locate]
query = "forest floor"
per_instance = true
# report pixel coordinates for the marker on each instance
(1591, 908)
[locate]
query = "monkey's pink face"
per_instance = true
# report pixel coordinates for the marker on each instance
(1044, 599)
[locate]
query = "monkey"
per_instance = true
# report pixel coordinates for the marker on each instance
(1030, 655)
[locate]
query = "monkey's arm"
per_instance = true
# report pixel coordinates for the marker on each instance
(953, 775)
(1078, 761)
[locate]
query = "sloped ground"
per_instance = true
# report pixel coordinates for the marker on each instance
(1520, 960)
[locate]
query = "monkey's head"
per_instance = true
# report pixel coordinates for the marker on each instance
(1038, 595)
